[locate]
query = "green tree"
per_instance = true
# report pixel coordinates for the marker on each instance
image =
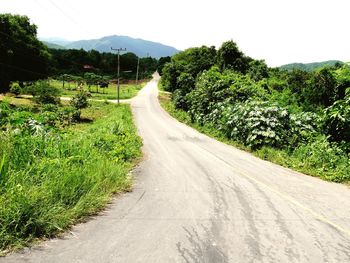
(230, 57)
(171, 72)
(321, 88)
(161, 63)
(22, 56)
(258, 70)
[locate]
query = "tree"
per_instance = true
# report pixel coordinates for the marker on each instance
(161, 63)
(258, 70)
(230, 57)
(297, 80)
(196, 59)
(171, 72)
(23, 56)
(321, 88)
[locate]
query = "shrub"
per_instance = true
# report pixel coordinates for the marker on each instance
(256, 124)
(303, 125)
(185, 84)
(15, 88)
(336, 120)
(79, 102)
(326, 158)
(44, 93)
(213, 87)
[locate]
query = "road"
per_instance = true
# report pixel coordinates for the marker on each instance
(199, 200)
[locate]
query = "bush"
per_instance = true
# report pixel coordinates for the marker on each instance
(256, 124)
(303, 125)
(79, 102)
(326, 158)
(15, 88)
(336, 120)
(44, 93)
(185, 84)
(213, 87)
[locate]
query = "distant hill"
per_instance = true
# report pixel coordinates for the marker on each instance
(310, 66)
(140, 47)
(53, 45)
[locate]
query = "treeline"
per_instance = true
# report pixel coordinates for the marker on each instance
(24, 58)
(77, 62)
(304, 116)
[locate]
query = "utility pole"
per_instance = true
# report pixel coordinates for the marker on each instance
(118, 50)
(137, 70)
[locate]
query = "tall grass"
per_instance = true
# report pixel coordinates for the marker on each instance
(51, 180)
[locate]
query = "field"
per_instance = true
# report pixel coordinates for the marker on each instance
(127, 91)
(54, 173)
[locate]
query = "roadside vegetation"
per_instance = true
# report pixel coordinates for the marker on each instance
(295, 118)
(60, 163)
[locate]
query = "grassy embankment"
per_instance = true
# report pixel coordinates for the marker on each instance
(54, 177)
(317, 161)
(127, 91)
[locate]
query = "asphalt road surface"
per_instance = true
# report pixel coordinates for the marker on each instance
(199, 200)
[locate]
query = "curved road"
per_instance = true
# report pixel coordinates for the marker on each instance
(199, 200)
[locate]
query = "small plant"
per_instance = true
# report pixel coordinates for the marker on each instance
(79, 102)
(15, 88)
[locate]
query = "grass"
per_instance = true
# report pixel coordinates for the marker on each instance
(127, 91)
(16, 101)
(52, 180)
(317, 159)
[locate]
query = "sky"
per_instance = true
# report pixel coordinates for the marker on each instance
(278, 31)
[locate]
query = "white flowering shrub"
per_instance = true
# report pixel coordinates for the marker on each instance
(256, 124)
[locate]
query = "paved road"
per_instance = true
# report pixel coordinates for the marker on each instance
(198, 200)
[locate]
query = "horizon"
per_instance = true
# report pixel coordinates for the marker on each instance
(279, 33)
(70, 41)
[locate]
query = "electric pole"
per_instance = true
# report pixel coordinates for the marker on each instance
(137, 70)
(118, 50)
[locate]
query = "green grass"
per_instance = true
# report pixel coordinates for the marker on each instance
(50, 181)
(127, 91)
(16, 101)
(317, 159)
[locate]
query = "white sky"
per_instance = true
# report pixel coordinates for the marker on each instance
(279, 31)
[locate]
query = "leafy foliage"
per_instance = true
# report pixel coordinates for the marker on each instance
(79, 102)
(43, 92)
(288, 113)
(23, 56)
(336, 120)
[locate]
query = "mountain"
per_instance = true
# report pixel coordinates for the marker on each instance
(53, 45)
(140, 47)
(310, 66)
(56, 40)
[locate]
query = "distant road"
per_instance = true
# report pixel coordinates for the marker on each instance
(199, 200)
